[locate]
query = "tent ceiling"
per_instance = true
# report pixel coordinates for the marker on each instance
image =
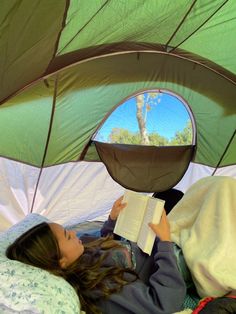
(76, 100)
(67, 56)
(35, 34)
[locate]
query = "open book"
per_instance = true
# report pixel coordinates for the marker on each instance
(132, 222)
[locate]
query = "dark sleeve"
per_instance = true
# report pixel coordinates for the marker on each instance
(163, 294)
(108, 227)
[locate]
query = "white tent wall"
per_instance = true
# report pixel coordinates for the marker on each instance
(65, 194)
(76, 192)
(196, 171)
(17, 184)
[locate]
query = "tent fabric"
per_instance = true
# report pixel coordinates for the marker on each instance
(65, 65)
(164, 167)
(98, 85)
(173, 45)
(70, 193)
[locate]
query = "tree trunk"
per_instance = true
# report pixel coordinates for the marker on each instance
(141, 121)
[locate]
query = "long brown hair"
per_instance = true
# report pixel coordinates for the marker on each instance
(91, 280)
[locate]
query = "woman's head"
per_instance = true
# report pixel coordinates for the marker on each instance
(48, 246)
(71, 247)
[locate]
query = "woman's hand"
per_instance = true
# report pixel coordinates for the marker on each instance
(116, 208)
(162, 230)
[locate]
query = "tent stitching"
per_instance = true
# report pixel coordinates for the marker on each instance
(59, 33)
(180, 24)
(171, 50)
(226, 148)
(83, 27)
(47, 142)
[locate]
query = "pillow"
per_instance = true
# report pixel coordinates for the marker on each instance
(28, 289)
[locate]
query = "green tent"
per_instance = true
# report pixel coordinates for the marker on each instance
(64, 67)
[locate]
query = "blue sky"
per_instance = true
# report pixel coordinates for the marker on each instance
(166, 116)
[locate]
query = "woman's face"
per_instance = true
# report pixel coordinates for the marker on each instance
(70, 246)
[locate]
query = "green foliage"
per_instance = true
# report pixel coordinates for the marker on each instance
(124, 136)
(183, 137)
(157, 140)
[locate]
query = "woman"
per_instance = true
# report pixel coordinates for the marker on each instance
(109, 276)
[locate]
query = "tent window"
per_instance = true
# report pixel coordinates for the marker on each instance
(148, 141)
(153, 118)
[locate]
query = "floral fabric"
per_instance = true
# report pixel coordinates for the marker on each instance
(27, 289)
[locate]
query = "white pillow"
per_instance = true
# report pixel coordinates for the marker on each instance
(28, 289)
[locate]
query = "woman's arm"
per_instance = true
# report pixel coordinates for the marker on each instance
(165, 290)
(109, 225)
(163, 294)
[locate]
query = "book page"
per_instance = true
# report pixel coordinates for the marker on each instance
(130, 218)
(153, 214)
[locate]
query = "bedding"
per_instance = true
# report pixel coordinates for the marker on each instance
(203, 225)
(29, 290)
(6, 310)
(26, 289)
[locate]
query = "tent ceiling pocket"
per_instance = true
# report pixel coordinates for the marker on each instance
(145, 168)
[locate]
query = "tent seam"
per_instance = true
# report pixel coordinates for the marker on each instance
(180, 24)
(83, 27)
(231, 80)
(226, 148)
(59, 33)
(47, 142)
(93, 160)
(173, 48)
